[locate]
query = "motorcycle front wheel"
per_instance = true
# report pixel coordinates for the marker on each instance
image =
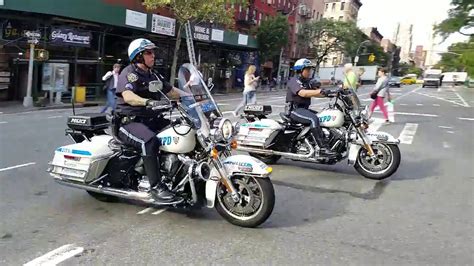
(257, 199)
(386, 161)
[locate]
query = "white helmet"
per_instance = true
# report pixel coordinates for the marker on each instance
(302, 64)
(139, 45)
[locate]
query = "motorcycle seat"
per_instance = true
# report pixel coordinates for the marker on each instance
(287, 120)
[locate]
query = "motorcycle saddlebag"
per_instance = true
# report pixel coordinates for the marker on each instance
(258, 134)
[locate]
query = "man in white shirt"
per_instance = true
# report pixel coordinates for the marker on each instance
(111, 79)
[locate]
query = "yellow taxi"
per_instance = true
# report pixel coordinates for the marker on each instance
(408, 80)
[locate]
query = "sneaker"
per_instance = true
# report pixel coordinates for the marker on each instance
(387, 122)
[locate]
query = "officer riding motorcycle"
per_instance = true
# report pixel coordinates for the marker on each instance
(301, 88)
(139, 122)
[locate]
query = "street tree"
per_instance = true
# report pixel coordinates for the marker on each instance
(460, 19)
(460, 57)
(326, 36)
(272, 35)
(196, 11)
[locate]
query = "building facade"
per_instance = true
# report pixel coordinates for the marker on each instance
(420, 56)
(403, 37)
(373, 34)
(101, 40)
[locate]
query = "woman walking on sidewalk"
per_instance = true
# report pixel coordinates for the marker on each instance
(379, 93)
(250, 87)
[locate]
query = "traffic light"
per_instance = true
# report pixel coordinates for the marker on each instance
(41, 54)
(371, 58)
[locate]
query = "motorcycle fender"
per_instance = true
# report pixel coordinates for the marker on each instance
(235, 165)
(374, 137)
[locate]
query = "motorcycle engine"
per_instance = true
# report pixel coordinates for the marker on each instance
(169, 165)
(336, 139)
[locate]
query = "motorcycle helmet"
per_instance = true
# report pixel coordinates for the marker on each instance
(302, 64)
(137, 46)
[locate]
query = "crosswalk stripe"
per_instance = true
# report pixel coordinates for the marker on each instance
(408, 133)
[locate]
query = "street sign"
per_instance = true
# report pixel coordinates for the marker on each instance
(33, 41)
(356, 59)
(33, 34)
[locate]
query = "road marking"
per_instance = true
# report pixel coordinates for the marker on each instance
(57, 256)
(3, 122)
(466, 118)
(450, 132)
(1, 113)
(442, 99)
(16, 166)
(446, 145)
(419, 104)
(408, 133)
(403, 104)
(374, 126)
(227, 112)
(445, 127)
(411, 114)
(145, 210)
(159, 211)
(223, 104)
(435, 104)
(55, 116)
(462, 99)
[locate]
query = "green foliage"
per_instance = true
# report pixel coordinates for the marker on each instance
(329, 36)
(272, 35)
(460, 57)
(459, 19)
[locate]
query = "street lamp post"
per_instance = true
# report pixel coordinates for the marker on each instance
(356, 59)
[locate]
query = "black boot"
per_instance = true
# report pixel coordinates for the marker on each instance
(159, 191)
(324, 148)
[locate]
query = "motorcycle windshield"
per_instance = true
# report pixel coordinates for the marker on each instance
(195, 96)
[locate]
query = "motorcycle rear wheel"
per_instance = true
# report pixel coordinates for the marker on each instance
(257, 199)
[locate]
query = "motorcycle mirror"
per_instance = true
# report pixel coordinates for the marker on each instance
(155, 86)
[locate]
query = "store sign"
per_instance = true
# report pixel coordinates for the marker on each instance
(243, 39)
(163, 25)
(13, 30)
(135, 19)
(32, 34)
(72, 37)
(202, 33)
(217, 35)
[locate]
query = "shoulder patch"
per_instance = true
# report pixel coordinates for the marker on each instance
(132, 77)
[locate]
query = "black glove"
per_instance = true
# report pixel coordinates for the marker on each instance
(330, 93)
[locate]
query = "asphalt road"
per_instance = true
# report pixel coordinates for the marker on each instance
(323, 214)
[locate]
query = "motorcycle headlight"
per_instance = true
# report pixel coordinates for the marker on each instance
(226, 129)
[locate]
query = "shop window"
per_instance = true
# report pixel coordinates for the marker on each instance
(342, 5)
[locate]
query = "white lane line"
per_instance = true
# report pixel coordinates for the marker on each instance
(462, 100)
(445, 127)
(16, 166)
(227, 112)
(374, 126)
(403, 104)
(446, 145)
(411, 114)
(57, 256)
(408, 132)
(55, 116)
(437, 105)
(450, 132)
(159, 211)
(145, 210)
(3, 122)
(442, 99)
(419, 104)
(223, 104)
(466, 118)
(1, 113)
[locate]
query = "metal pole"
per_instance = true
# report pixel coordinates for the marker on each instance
(28, 100)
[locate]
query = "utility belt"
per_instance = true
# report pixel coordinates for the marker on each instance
(128, 118)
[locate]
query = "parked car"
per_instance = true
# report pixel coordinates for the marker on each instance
(408, 80)
(394, 81)
(431, 80)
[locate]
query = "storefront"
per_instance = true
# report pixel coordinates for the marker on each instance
(100, 41)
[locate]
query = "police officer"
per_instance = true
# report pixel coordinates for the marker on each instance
(301, 88)
(141, 123)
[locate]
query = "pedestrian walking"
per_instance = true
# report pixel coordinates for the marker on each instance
(250, 87)
(359, 76)
(350, 79)
(111, 79)
(379, 93)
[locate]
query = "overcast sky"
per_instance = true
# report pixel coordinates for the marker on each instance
(385, 14)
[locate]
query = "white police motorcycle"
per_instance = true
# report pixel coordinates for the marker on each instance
(195, 156)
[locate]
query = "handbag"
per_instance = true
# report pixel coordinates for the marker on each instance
(373, 95)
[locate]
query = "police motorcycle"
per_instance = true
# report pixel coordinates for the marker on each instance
(195, 156)
(375, 155)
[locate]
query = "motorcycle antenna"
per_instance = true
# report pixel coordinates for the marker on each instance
(72, 100)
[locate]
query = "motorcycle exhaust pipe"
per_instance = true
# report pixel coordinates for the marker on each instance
(132, 195)
(288, 155)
